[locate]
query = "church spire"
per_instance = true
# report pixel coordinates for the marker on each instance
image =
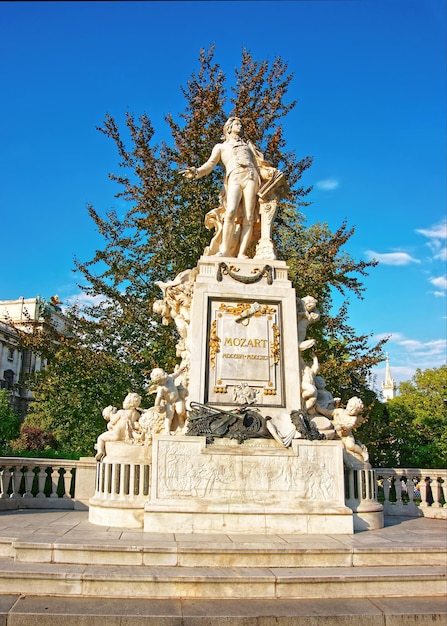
(388, 385)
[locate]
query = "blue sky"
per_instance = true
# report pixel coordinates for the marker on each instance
(370, 79)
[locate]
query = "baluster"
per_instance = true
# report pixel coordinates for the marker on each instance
(67, 483)
(16, 479)
(5, 479)
(373, 485)
(436, 491)
(443, 486)
(41, 480)
(411, 485)
(29, 479)
(398, 488)
(54, 481)
(386, 488)
(363, 477)
(122, 479)
(368, 484)
(107, 476)
(132, 477)
(115, 476)
(423, 490)
(99, 480)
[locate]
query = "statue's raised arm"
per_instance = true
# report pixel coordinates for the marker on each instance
(246, 173)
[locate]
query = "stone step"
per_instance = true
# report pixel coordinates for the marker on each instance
(121, 581)
(207, 554)
(29, 610)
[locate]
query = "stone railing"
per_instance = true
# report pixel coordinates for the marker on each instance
(412, 492)
(27, 483)
(45, 483)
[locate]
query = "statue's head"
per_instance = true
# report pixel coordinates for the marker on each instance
(158, 375)
(309, 303)
(319, 382)
(131, 401)
(108, 412)
(354, 406)
(228, 126)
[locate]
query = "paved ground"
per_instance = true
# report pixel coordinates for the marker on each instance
(73, 527)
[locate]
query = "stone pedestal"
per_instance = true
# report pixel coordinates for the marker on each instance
(240, 348)
(244, 343)
(122, 486)
(254, 487)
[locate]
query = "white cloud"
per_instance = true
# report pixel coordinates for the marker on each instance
(407, 355)
(437, 237)
(328, 184)
(435, 348)
(438, 231)
(391, 258)
(440, 282)
(83, 299)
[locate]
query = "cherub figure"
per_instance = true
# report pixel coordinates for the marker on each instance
(307, 314)
(170, 396)
(326, 401)
(119, 423)
(324, 397)
(344, 421)
(244, 394)
(308, 387)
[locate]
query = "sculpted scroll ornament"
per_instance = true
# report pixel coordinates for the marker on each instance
(257, 275)
(244, 310)
(214, 344)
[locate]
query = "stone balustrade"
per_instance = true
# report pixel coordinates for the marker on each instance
(413, 492)
(27, 483)
(46, 483)
(122, 482)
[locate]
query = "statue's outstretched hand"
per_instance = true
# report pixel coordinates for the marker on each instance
(189, 172)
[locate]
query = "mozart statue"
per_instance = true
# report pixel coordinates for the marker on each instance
(246, 173)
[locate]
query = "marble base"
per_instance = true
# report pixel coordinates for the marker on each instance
(254, 487)
(244, 330)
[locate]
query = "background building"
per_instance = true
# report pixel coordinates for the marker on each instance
(16, 362)
(389, 385)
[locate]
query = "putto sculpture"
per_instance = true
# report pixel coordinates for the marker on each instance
(120, 423)
(169, 397)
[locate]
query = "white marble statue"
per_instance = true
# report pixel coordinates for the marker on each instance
(324, 397)
(344, 421)
(170, 398)
(245, 172)
(325, 400)
(307, 313)
(120, 423)
(309, 390)
(176, 306)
